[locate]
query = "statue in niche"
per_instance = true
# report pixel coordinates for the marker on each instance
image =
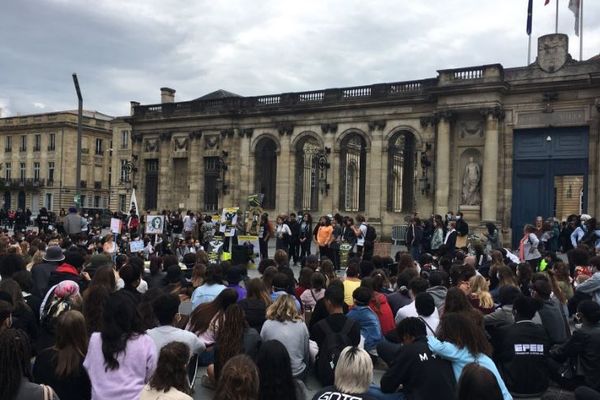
(471, 189)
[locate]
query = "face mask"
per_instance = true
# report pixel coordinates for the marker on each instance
(457, 217)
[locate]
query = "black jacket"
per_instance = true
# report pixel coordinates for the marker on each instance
(585, 345)
(523, 358)
(414, 368)
(462, 227)
(40, 274)
(451, 242)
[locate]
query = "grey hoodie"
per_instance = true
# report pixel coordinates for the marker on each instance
(439, 296)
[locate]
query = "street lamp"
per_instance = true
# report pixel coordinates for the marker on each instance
(79, 121)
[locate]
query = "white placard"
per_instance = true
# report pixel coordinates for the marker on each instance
(115, 225)
(155, 224)
(136, 246)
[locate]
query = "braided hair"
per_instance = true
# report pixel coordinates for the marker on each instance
(15, 356)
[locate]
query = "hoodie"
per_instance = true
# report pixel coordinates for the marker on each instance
(591, 286)
(439, 296)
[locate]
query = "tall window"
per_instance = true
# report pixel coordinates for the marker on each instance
(212, 173)
(124, 171)
(36, 171)
(8, 170)
(98, 147)
(265, 171)
(8, 144)
(22, 169)
(97, 201)
(353, 157)
(307, 173)
(23, 143)
(51, 171)
(52, 142)
(122, 203)
(124, 139)
(401, 172)
(48, 203)
(37, 142)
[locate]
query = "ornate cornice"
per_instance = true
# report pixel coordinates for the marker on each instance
(496, 112)
(229, 132)
(246, 132)
(429, 120)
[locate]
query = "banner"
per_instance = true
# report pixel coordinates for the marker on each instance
(228, 221)
(253, 212)
(214, 250)
(155, 224)
(250, 242)
(115, 225)
(136, 246)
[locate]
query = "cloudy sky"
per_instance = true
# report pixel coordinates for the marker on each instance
(125, 50)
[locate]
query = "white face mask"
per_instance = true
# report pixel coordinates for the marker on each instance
(457, 217)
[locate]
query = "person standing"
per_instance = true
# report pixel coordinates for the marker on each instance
(282, 234)
(72, 224)
(414, 237)
(265, 233)
(305, 236)
(294, 247)
(324, 236)
(528, 247)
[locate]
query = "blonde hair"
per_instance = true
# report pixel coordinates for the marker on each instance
(354, 371)
(283, 309)
(480, 288)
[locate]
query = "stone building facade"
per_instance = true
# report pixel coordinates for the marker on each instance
(499, 144)
(38, 155)
(122, 165)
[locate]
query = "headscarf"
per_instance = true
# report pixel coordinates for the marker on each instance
(60, 298)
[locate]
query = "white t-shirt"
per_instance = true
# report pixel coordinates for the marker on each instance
(360, 241)
(410, 310)
(163, 335)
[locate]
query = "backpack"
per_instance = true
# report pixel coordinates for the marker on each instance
(330, 350)
(371, 235)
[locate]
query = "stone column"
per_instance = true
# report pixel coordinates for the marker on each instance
(195, 167)
(489, 180)
(442, 163)
(165, 169)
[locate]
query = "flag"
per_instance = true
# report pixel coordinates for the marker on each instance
(574, 6)
(133, 202)
(529, 14)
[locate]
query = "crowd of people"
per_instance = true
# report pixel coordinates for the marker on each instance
(82, 317)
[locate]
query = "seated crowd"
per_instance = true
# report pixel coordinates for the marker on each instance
(75, 325)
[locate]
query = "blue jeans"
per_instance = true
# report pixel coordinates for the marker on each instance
(375, 392)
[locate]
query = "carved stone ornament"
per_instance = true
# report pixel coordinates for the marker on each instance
(246, 132)
(180, 143)
(195, 135)
(151, 145)
(329, 128)
(378, 124)
(285, 129)
(211, 142)
(429, 120)
(165, 136)
(229, 132)
(446, 115)
(497, 112)
(553, 52)
(470, 129)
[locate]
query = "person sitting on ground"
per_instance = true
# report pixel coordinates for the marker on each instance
(458, 302)
(311, 295)
(416, 286)
(523, 353)
(212, 286)
(401, 297)
(370, 328)
(351, 282)
(426, 312)
(15, 375)
(234, 276)
(165, 309)
(353, 376)
(61, 366)
(239, 380)
(479, 295)
(6, 309)
(591, 286)
(70, 270)
(461, 341)
(276, 380)
(169, 380)
(583, 347)
(380, 306)
(320, 311)
(285, 324)
(332, 334)
(552, 314)
(255, 304)
(413, 364)
(303, 281)
(477, 382)
(438, 288)
(280, 288)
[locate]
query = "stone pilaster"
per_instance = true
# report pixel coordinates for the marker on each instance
(285, 185)
(442, 162)
(245, 182)
(489, 181)
(165, 167)
(195, 169)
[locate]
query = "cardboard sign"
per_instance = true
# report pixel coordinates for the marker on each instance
(136, 246)
(155, 224)
(115, 225)
(228, 221)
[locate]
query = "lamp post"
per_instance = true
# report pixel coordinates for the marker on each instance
(79, 120)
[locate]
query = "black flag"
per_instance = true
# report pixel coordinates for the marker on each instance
(529, 14)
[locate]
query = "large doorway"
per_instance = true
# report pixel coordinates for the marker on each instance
(549, 175)
(151, 195)
(7, 200)
(21, 200)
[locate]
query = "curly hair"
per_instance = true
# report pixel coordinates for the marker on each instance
(15, 361)
(230, 336)
(171, 368)
(283, 309)
(239, 380)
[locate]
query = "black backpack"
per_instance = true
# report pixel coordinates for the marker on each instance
(371, 235)
(330, 350)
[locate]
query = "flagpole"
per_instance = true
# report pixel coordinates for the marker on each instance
(529, 50)
(580, 30)
(556, 20)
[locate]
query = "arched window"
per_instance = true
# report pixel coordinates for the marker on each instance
(265, 171)
(401, 172)
(353, 157)
(307, 174)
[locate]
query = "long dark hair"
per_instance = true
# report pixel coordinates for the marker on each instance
(477, 382)
(15, 361)
(202, 315)
(458, 302)
(94, 302)
(230, 336)
(239, 380)
(256, 289)
(121, 323)
(275, 368)
(71, 343)
(171, 368)
(461, 330)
